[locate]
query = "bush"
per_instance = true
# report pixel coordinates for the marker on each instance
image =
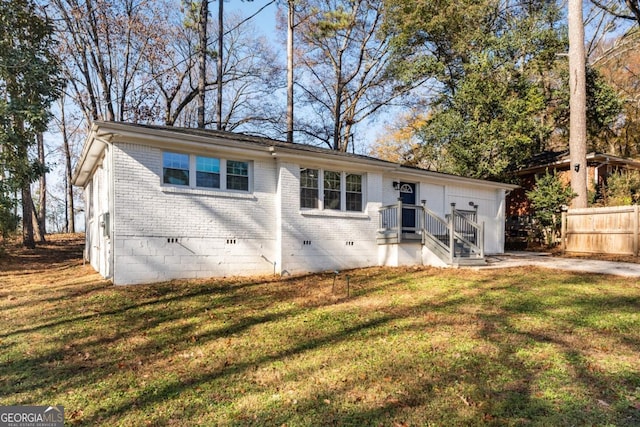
(623, 188)
(547, 200)
(8, 219)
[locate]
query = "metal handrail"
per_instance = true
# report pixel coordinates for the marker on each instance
(460, 226)
(467, 230)
(437, 228)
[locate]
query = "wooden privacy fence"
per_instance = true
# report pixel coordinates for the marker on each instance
(612, 230)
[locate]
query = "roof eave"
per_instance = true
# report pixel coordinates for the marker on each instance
(113, 132)
(91, 152)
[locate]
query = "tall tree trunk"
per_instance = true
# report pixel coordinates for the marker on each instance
(27, 217)
(337, 116)
(25, 191)
(290, 71)
(220, 62)
(577, 105)
(202, 60)
(70, 224)
(42, 199)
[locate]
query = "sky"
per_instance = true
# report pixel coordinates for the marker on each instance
(265, 21)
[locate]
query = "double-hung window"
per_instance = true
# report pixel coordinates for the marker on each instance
(330, 190)
(309, 188)
(237, 175)
(175, 168)
(353, 192)
(205, 172)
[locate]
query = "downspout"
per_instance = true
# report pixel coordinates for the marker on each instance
(112, 215)
(596, 174)
(278, 254)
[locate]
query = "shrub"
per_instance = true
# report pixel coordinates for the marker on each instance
(547, 200)
(623, 188)
(8, 219)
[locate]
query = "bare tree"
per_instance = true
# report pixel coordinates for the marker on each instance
(624, 9)
(250, 75)
(343, 69)
(40, 214)
(70, 224)
(290, 44)
(104, 45)
(219, 63)
(173, 65)
(202, 59)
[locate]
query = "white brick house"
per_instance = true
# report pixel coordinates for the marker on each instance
(165, 203)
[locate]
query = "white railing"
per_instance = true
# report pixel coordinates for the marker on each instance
(467, 230)
(459, 235)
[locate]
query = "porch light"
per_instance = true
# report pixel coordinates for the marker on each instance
(576, 167)
(396, 185)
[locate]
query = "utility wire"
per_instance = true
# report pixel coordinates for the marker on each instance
(190, 57)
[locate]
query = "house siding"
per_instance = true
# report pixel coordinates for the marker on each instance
(316, 240)
(491, 211)
(98, 246)
(140, 230)
(165, 232)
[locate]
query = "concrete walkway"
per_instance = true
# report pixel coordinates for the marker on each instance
(580, 265)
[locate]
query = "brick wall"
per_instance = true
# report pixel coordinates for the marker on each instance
(327, 240)
(165, 232)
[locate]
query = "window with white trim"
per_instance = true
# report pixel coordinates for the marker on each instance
(331, 190)
(309, 188)
(354, 192)
(205, 172)
(237, 175)
(175, 168)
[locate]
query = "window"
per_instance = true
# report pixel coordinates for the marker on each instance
(237, 175)
(309, 188)
(175, 168)
(332, 190)
(354, 192)
(207, 172)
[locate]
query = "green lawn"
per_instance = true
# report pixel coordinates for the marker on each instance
(409, 347)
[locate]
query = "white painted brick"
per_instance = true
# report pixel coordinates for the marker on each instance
(267, 225)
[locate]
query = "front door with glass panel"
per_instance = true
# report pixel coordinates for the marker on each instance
(408, 197)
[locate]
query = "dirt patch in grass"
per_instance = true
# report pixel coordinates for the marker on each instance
(408, 346)
(557, 251)
(58, 249)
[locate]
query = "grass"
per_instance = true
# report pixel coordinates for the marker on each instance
(408, 347)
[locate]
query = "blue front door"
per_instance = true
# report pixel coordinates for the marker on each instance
(408, 196)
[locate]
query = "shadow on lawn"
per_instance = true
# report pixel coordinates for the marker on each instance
(468, 364)
(163, 307)
(57, 250)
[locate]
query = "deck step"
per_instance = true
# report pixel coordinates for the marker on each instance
(469, 262)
